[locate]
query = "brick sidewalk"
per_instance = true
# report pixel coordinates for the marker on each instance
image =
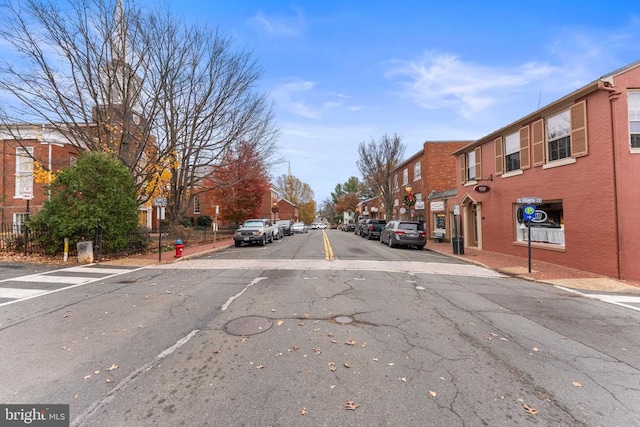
(540, 271)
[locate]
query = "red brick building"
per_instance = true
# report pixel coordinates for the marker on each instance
(288, 210)
(21, 148)
(429, 171)
(577, 160)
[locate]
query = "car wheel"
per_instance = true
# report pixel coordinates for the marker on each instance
(391, 245)
(263, 241)
(238, 243)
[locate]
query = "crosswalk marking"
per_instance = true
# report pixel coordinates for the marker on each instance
(66, 278)
(20, 293)
(620, 300)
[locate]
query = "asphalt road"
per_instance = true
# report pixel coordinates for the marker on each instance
(323, 328)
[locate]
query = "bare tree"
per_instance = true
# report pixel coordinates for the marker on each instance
(377, 161)
(291, 188)
(142, 85)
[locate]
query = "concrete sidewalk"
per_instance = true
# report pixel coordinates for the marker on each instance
(505, 264)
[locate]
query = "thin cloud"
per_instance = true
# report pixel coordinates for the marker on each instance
(444, 81)
(279, 25)
(303, 98)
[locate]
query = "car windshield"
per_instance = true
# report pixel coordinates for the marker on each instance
(283, 222)
(409, 226)
(254, 224)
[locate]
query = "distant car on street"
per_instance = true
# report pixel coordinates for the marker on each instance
(299, 227)
(404, 233)
(285, 226)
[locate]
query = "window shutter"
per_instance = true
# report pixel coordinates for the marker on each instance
(525, 157)
(478, 162)
(463, 168)
(498, 149)
(538, 142)
(579, 146)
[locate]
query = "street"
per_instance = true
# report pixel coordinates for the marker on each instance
(316, 329)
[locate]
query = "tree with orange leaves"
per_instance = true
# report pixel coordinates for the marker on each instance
(239, 183)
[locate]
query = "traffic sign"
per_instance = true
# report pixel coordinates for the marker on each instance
(529, 213)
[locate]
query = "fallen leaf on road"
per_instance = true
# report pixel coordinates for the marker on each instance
(294, 348)
(403, 379)
(346, 365)
(280, 322)
(96, 372)
(529, 409)
(576, 384)
(317, 350)
(108, 380)
(273, 310)
(433, 393)
(303, 411)
(535, 349)
(112, 368)
(351, 342)
(86, 377)
(351, 405)
(306, 315)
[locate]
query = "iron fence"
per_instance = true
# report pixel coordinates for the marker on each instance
(17, 238)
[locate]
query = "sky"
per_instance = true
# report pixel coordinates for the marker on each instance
(341, 73)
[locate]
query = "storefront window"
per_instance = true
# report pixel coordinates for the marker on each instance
(547, 227)
(438, 221)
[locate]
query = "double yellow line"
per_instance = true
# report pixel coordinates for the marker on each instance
(328, 250)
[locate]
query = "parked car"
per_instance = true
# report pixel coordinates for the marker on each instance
(299, 227)
(260, 231)
(285, 226)
(372, 228)
(404, 233)
(358, 227)
(350, 226)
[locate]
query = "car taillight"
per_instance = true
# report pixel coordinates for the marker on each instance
(399, 233)
(371, 228)
(423, 234)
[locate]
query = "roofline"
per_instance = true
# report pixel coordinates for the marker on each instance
(605, 81)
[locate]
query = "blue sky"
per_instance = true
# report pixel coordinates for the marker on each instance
(345, 72)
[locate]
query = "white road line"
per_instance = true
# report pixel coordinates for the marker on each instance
(20, 293)
(620, 300)
(85, 269)
(45, 277)
(226, 305)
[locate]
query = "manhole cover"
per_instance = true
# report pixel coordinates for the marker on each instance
(343, 320)
(250, 325)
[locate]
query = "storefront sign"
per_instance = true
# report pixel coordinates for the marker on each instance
(437, 206)
(482, 188)
(419, 205)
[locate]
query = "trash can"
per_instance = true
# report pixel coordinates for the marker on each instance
(458, 245)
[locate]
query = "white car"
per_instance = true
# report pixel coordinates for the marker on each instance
(299, 227)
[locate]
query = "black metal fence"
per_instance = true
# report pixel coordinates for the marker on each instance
(17, 238)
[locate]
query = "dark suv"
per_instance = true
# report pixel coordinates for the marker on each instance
(372, 228)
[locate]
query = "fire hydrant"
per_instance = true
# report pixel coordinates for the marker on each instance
(179, 248)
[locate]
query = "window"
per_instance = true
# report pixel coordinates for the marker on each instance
(196, 205)
(512, 152)
(471, 166)
(559, 136)
(417, 170)
(633, 101)
(547, 227)
(19, 220)
(405, 176)
(72, 161)
(24, 171)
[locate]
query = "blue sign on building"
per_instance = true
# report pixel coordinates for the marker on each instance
(529, 213)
